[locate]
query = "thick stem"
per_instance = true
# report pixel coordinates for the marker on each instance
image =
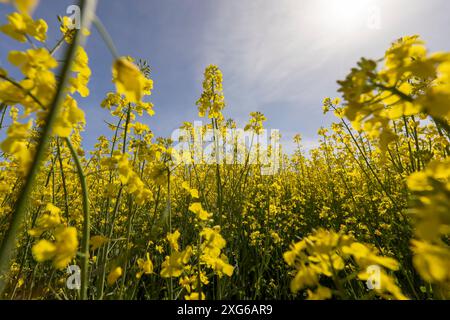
(63, 180)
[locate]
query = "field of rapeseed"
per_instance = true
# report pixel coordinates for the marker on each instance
(365, 215)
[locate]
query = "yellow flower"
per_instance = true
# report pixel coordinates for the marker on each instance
(221, 265)
(256, 122)
(43, 250)
(129, 80)
(141, 106)
(203, 279)
(139, 128)
(129, 178)
(305, 277)
(195, 296)
(365, 257)
(47, 221)
(67, 246)
(20, 282)
(17, 146)
(145, 266)
(276, 238)
(326, 253)
(212, 99)
(68, 29)
(114, 275)
(321, 293)
(185, 282)
(431, 213)
(81, 67)
(291, 256)
(419, 182)
(432, 261)
(193, 192)
(25, 6)
(97, 241)
(69, 117)
(61, 251)
(21, 24)
(202, 214)
(33, 62)
(213, 238)
(173, 265)
(173, 239)
(211, 251)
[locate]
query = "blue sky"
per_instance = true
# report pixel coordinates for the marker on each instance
(278, 57)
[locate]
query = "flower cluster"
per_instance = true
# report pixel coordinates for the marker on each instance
(212, 100)
(431, 213)
(65, 245)
(326, 254)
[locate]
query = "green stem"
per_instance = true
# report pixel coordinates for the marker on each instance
(199, 279)
(63, 180)
(106, 37)
(86, 222)
(3, 108)
(218, 179)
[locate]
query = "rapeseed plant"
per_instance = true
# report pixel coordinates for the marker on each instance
(373, 193)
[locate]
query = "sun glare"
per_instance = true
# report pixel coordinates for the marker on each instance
(345, 15)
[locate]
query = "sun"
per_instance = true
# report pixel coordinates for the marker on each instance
(347, 10)
(345, 15)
